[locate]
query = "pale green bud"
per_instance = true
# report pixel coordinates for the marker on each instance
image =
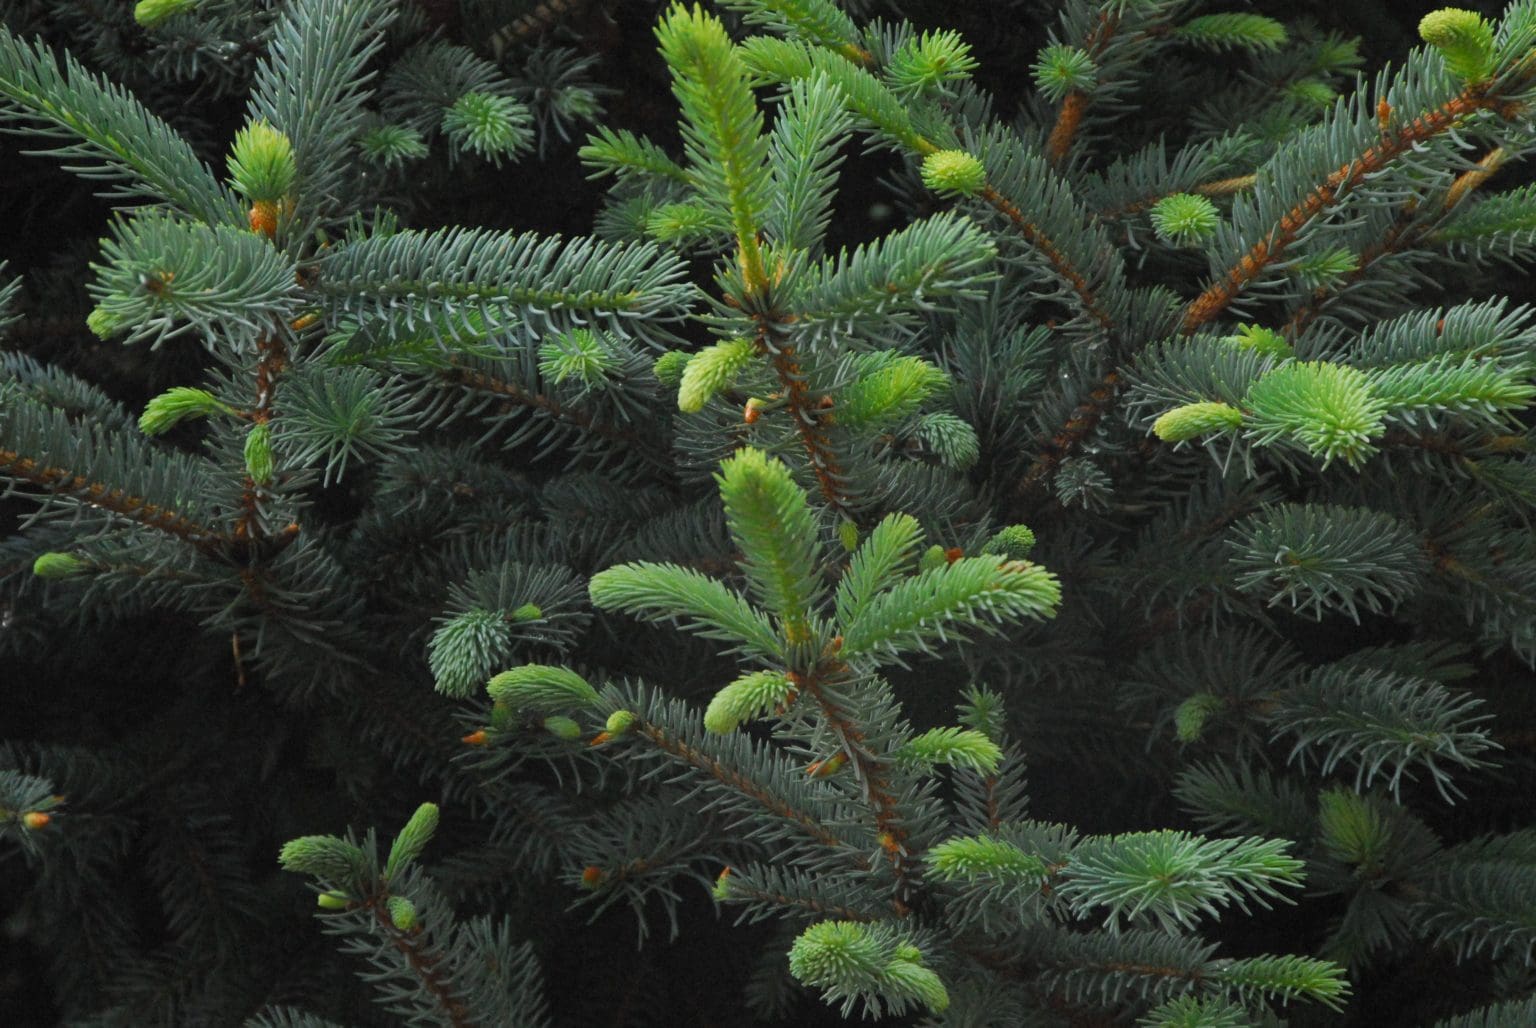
(1196, 419)
(1190, 718)
(668, 368)
(402, 913)
(921, 981)
(711, 370)
(1261, 340)
(258, 453)
(1184, 219)
(1464, 38)
(541, 687)
(413, 838)
(620, 722)
(149, 13)
(261, 163)
(103, 323)
(954, 171)
(1013, 542)
(562, 727)
(748, 697)
(323, 856)
(333, 900)
(933, 557)
(58, 565)
(175, 405)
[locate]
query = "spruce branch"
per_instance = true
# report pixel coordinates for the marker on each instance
(1495, 96)
(118, 137)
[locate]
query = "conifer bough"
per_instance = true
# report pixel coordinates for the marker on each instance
(1137, 446)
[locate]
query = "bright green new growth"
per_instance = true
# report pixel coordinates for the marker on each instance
(1014, 542)
(937, 603)
(259, 461)
(957, 747)
(580, 356)
(413, 838)
(928, 62)
(1325, 268)
(888, 388)
(748, 697)
(150, 13)
(849, 961)
(103, 323)
(325, 857)
(669, 367)
(953, 172)
(712, 370)
(1190, 719)
(976, 857)
(771, 520)
(261, 163)
(620, 722)
(1196, 419)
(1232, 30)
(542, 689)
(55, 565)
(176, 405)
(722, 126)
(561, 727)
(1061, 69)
(402, 913)
(1184, 219)
(1464, 38)
(1262, 340)
(1330, 410)
(493, 126)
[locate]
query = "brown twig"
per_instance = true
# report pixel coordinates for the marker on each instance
(1079, 426)
(1393, 144)
(871, 774)
(479, 381)
(696, 758)
(271, 361)
(1048, 249)
(118, 501)
(805, 411)
(1406, 231)
(1069, 117)
(407, 943)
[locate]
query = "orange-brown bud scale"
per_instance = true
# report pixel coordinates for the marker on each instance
(826, 767)
(475, 738)
(953, 554)
(600, 738)
(592, 876)
(263, 218)
(35, 819)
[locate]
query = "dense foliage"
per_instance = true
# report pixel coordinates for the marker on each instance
(1161, 430)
